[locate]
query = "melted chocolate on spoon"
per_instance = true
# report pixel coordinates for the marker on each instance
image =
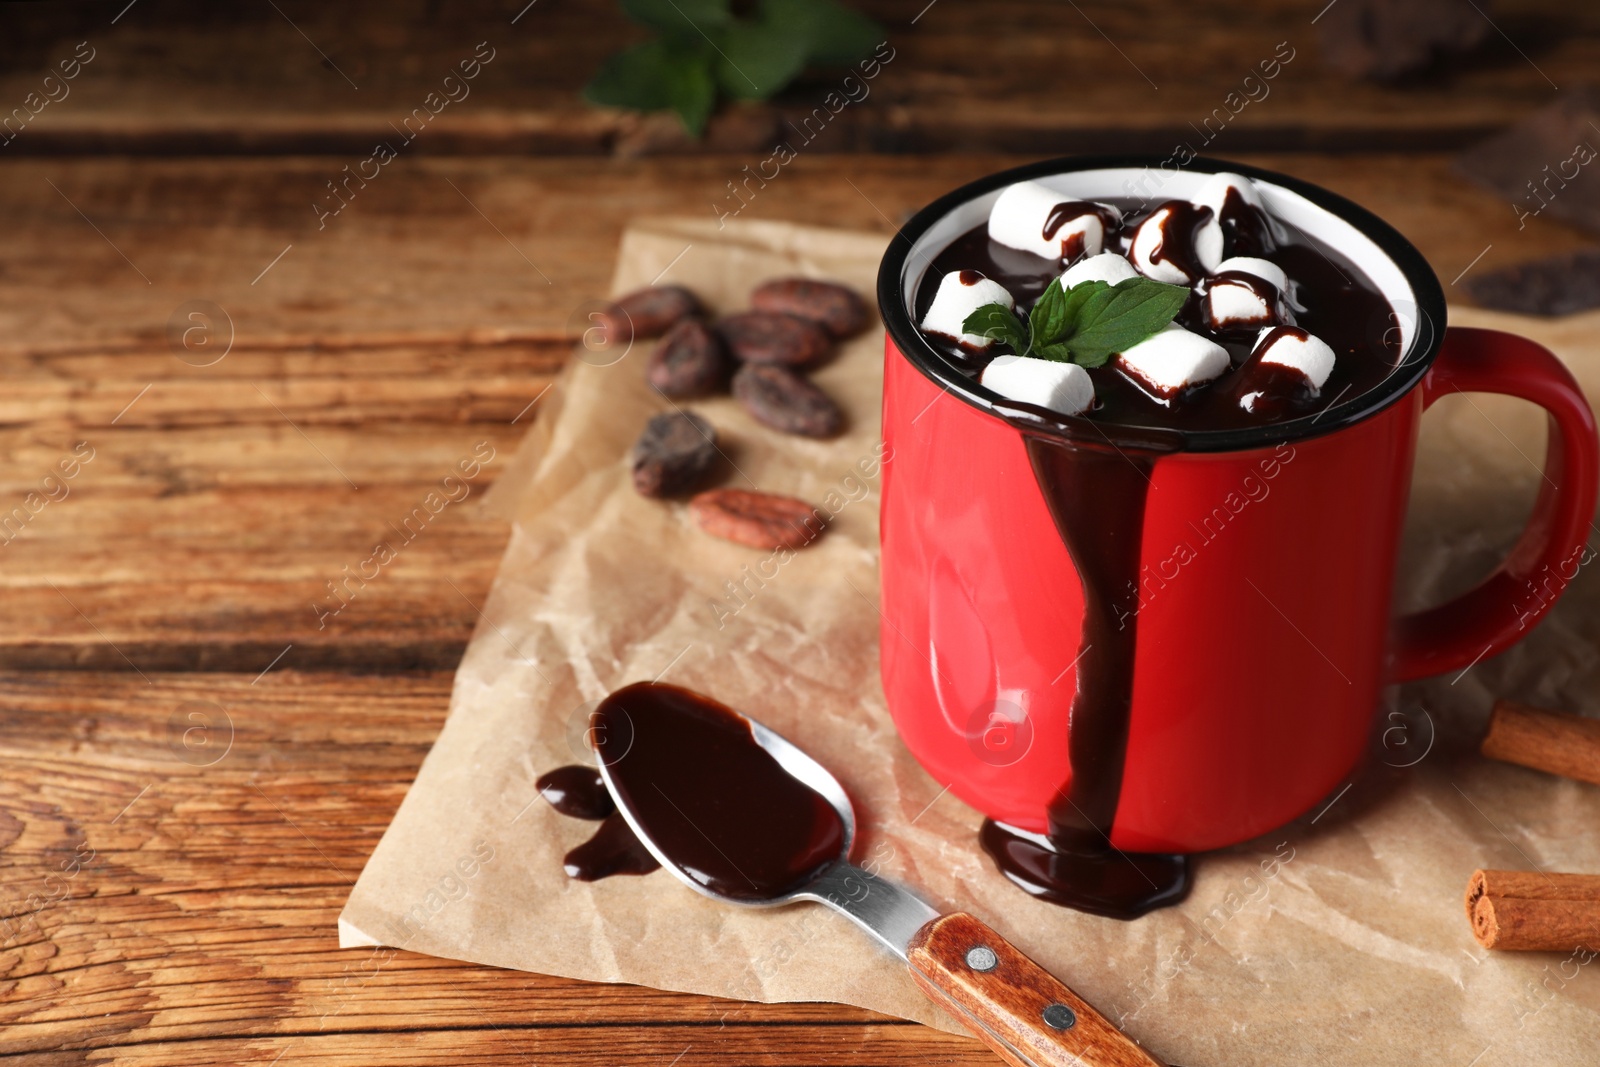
(1095, 483)
(714, 801)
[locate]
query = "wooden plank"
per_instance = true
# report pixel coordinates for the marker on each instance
(172, 77)
(214, 547)
(841, 1045)
(235, 493)
(201, 913)
(403, 383)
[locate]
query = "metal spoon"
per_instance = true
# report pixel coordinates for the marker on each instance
(1015, 1006)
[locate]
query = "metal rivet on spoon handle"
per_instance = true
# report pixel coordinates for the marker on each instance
(1018, 1008)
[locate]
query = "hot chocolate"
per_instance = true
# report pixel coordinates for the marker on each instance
(1247, 274)
(1190, 315)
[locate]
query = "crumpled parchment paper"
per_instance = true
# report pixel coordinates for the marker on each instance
(1339, 939)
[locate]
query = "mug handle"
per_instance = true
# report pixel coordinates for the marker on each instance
(1485, 620)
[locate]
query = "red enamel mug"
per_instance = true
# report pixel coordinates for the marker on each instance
(1262, 653)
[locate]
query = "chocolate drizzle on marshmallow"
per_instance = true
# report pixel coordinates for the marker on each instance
(1247, 230)
(1077, 242)
(962, 292)
(1164, 245)
(1034, 218)
(1246, 293)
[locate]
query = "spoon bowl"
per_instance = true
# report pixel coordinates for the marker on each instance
(798, 765)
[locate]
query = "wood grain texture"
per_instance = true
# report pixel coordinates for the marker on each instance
(176, 77)
(199, 923)
(1555, 742)
(1027, 1015)
(213, 547)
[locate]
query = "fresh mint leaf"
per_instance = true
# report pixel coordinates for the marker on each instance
(694, 93)
(755, 60)
(679, 18)
(1079, 293)
(654, 76)
(834, 34)
(1121, 316)
(998, 323)
(705, 48)
(1047, 320)
(634, 78)
(1057, 352)
(1088, 359)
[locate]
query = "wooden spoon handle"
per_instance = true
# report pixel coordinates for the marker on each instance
(1017, 1007)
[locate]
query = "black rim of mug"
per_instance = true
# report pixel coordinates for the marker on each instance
(895, 305)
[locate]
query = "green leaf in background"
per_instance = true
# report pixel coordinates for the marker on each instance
(756, 60)
(654, 76)
(694, 93)
(704, 48)
(679, 18)
(1120, 317)
(834, 34)
(998, 323)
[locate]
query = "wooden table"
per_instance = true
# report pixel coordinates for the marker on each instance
(192, 769)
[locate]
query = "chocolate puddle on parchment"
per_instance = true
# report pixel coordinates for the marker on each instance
(1099, 467)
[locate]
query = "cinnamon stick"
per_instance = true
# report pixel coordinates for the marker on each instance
(1555, 742)
(1533, 911)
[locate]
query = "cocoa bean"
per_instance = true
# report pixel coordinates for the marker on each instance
(645, 313)
(783, 400)
(774, 337)
(833, 307)
(760, 520)
(674, 454)
(688, 361)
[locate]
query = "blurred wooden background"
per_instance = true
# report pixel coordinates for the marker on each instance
(175, 574)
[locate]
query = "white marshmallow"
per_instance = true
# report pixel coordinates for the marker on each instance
(1018, 219)
(1230, 304)
(1148, 240)
(955, 300)
(1107, 267)
(1063, 387)
(1172, 360)
(1309, 355)
(1264, 269)
(1213, 194)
